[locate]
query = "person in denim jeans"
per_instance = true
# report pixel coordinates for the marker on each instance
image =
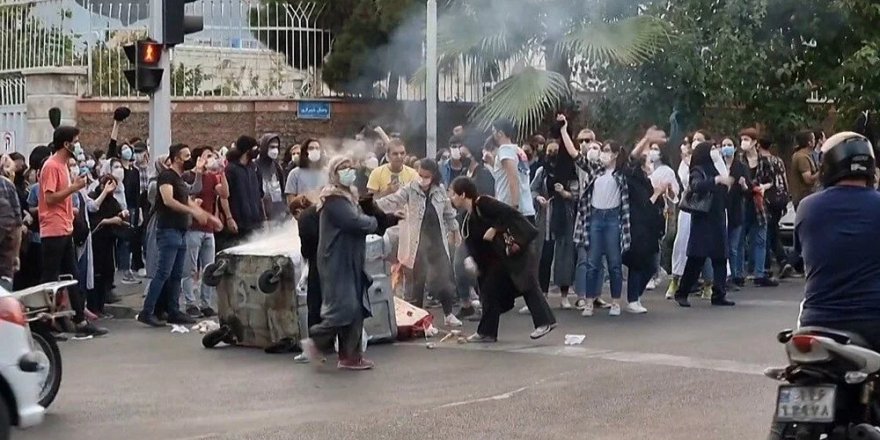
(763, 178)
(209, 186)
(174, 211)
(602, 228)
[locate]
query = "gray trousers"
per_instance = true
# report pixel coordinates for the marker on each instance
(349, 336)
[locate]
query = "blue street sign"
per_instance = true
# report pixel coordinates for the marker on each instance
(317, 110)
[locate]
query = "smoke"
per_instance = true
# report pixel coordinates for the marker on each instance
(277, 240)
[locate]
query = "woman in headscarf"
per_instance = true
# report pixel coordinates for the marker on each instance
(341, 252)
(272, 177)
(150, 249)
(708, 231)
(428, 236)
(107, 221)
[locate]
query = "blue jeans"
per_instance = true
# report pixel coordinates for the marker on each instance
(637, 280)
(754, 245)
(199, 253)
(171, 248)
(604, 242)
(735, 249)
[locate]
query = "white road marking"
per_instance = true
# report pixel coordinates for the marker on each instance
(502, 396)
(667, 360)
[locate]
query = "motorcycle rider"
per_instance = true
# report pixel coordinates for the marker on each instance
(837, 232)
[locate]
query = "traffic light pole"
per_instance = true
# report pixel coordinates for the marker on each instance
(160, 100)
(431, 80)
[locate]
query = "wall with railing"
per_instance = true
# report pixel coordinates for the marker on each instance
(248, 48)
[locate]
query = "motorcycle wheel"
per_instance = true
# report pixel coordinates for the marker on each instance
(786, 431)
(51, 381)
(5, 421)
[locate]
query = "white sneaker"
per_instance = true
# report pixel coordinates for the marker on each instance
(524, 311)
(588, 309)
(452, 321)
(476, 304)
(142, 273)
(301, 358)
(566, 304)
(615, 310)
(635, 308)
(651, 285)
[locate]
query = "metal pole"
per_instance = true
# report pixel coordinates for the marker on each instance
(160, 101)
(431, 81)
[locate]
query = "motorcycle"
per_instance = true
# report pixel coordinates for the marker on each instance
(47, 310)
(831, 389)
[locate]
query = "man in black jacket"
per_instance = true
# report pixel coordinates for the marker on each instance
(245, 189)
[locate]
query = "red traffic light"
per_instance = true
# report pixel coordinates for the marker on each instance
(149, 53)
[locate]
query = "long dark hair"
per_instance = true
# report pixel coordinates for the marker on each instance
(622, 154)
(304, 161)
(431, 165)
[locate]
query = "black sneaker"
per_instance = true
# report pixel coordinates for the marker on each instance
(193, 312)
(86, 328)
(599, 303)
(739, 282)
(180, 319)
(766, 282)
(149, 320)
(722, 302)
(208, 312)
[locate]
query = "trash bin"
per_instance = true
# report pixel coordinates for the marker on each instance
(256, 285)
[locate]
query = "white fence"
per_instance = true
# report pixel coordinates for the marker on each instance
(13, 114)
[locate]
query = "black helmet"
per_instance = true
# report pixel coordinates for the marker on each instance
(847, 155)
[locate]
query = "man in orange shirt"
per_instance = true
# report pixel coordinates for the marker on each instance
(56, 220)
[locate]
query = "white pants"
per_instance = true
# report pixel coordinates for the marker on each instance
(680, 246)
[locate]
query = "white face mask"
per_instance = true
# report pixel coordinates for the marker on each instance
(90, 163)
(314, 155)
(347, 177)
(455, 153)
(746, 145)
(118, 174)
(593, 155)
(213, 165)
(272, 153)
(653, 156)
(371, 163)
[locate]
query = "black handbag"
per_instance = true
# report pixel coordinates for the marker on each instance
(696, 203)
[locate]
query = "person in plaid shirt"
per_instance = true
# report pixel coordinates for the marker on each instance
(602, 227)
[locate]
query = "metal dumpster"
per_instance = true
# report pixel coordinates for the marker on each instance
(256, 283)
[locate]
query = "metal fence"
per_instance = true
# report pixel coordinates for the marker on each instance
(13, 114)
(248, 48)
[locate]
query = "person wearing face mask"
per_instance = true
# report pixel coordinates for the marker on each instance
(708, 231)
(456, 165)
(290, 158)
(245, 190)
(309, 176)
(272, 177)
(602, 227)
(763, 176)
(555, 189)
(129, 186)
(342, 244)
(107, 221)
(428, 226)
(364, 169)
(739, 192)
(661, 175)
(683, 229)
(55, 208)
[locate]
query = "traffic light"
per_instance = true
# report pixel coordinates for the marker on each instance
(176, 24)
(144, 56)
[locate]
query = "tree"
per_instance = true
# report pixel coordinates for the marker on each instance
(541, 42)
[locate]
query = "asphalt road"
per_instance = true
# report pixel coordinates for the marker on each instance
(672, 374)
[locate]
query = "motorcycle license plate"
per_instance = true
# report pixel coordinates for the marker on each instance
(805, 404)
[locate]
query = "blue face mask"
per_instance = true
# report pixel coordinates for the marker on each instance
(728, 151)
(127, 154)
(347, 177)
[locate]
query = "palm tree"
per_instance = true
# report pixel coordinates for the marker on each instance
(541, 43)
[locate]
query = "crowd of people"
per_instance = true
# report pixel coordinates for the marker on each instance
(484, 222)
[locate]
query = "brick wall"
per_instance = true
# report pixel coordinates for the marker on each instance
(219, 122)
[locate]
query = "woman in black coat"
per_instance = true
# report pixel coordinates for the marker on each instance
(708, 237)
(501, 276)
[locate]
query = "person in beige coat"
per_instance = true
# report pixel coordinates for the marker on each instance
(428, 235)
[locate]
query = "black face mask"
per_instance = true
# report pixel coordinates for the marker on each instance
(253, 153)
(190, 164)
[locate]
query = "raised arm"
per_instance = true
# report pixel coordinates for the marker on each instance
(566, 138)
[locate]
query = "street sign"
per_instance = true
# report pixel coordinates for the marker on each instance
(314, 110)
(8, 142)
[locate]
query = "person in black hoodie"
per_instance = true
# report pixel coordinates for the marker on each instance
(245, 190)
(272, 177)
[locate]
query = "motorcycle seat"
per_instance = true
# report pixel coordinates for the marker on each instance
(839, 336)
